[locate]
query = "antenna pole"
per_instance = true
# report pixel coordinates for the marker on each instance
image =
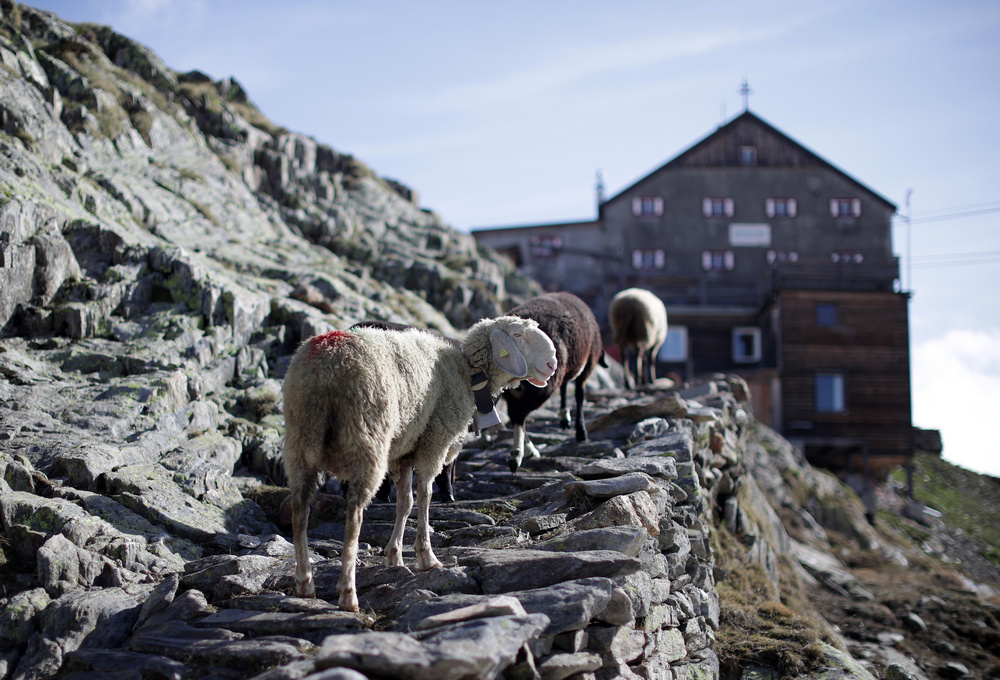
(909, 241)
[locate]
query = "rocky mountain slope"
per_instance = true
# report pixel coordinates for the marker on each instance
(164, 248)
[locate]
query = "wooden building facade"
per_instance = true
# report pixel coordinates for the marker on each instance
(773, 264)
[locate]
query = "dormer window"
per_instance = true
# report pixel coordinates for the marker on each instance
(747, 155)
(647, 206)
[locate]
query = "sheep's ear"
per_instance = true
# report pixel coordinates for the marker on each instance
(506, 355)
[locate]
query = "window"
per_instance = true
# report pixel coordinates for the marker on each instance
(647, 206)
(847, 256)
(830, 393)
(718, 206)
(826, 314)
(780, 207)
(545, 246)
(782, 256)
(718, 260)
(648, 258)
(748, 155)
(845, 207)
(675, 347)
(746, 345)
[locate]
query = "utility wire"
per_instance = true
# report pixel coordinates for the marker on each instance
(953, 215)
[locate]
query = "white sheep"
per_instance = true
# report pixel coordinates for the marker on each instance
(638, 321)
(364, 402)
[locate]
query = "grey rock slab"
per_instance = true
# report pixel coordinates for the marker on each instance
(662, 467)
(562, 666)
(479, 648)
(639, 588)
(19, 617)
(161, 597)
(188, 606)
(635, 509)
(282, 623)
(123, 663)
(627, 540)
(268, 602)
(150, 491)
(502, 571)
(676, 445)
(541, 523)
(614, 486)
(618, 611)
(616, 644)
(503, 605)
(62, 566)
(101, 618)
(227, 576)
(569, 606)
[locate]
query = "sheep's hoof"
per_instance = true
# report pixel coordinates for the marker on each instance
(305, 588)
(514, 462)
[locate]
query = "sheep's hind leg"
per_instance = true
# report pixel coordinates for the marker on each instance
(348, 600)
(564, 415)
(302, 485)
(422, 546)
(580, 392)
(403, 480)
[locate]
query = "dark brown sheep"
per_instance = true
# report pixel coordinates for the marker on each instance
(568, 321)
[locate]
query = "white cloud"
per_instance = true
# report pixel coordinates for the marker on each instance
(956, 389)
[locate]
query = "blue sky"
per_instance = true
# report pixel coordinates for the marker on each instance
(502, 113)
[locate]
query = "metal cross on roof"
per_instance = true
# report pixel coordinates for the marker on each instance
(746, 92)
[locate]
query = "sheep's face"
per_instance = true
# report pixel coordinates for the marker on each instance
(537, 349)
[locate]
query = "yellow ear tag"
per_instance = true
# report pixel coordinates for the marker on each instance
(504, 353)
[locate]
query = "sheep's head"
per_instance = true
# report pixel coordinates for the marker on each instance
(518, 347)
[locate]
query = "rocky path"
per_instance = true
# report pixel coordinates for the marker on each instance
(593, 561)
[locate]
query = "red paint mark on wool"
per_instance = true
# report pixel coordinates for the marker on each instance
(327, 340)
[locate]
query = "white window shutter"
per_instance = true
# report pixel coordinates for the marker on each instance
(637, 259)
(834, 207)
(856, 207)
(660, 259)
(769, 207)
(706, 207)
(636, 206)
(706, 260)
(730, 207)
(793, 207)
(730, 260)
(658, 205)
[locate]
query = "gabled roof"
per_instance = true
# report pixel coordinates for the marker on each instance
(701, 154)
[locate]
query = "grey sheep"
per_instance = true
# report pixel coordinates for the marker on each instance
(638, 322)
(365, 402)
(568, 321)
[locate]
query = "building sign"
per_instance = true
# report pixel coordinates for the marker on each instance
(750, 235)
